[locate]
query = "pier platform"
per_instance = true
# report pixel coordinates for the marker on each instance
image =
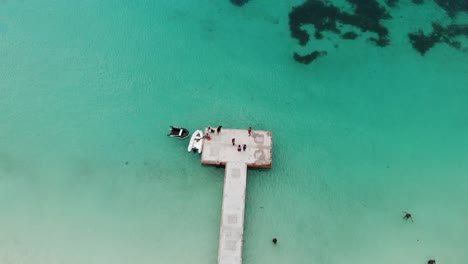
(219, 150)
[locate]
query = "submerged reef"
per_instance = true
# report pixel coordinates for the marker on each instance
(349, 35)
(306, 59)
(366, 16)
(326, 17)
(391, 3)
(440, 34)
(239, 2)
(453, 7)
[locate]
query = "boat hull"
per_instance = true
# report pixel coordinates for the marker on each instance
(196, 142)
(178, 132)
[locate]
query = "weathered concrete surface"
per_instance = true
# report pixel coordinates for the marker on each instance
(219, 150)
(232, 217)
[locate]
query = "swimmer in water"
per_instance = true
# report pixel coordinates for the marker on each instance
(407, 216)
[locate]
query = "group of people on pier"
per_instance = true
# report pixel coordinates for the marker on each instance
(209, 130)
(244, 147)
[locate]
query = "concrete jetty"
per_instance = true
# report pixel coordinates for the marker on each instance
(220, 151)
(231, 233)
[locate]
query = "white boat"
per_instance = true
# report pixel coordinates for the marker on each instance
(196, 142)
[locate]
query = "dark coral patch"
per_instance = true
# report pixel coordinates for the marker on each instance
(316, 13)
(371, 11)
(306, 59)
(422, 43)
(325, 17)
(349, 35)
(381, 42)
(239, 2)
(391, 3)
(367, 17)
(452, 7)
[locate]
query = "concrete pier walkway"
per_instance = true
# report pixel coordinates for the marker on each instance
(220, 151)
(231, 233)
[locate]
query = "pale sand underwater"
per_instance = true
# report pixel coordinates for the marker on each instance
(88, 175)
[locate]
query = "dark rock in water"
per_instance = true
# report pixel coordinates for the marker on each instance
(431, 261)
(349, 35)
(418, 2)
(306, 59)
(239, 2)
(422, 43)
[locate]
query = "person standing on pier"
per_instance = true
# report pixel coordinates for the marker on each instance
(218, 130)
(239, 148)
(245, 147)
(233, 141)
(249, 130)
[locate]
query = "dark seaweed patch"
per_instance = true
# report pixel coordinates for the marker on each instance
(452, 7)
(324, 17)
(239, 2)
(366, 17)
(316, 13)
(349, 35)
(391, 3)
(422, 43)
(306, 59)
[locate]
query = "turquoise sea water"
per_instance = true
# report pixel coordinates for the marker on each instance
(88, 175)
